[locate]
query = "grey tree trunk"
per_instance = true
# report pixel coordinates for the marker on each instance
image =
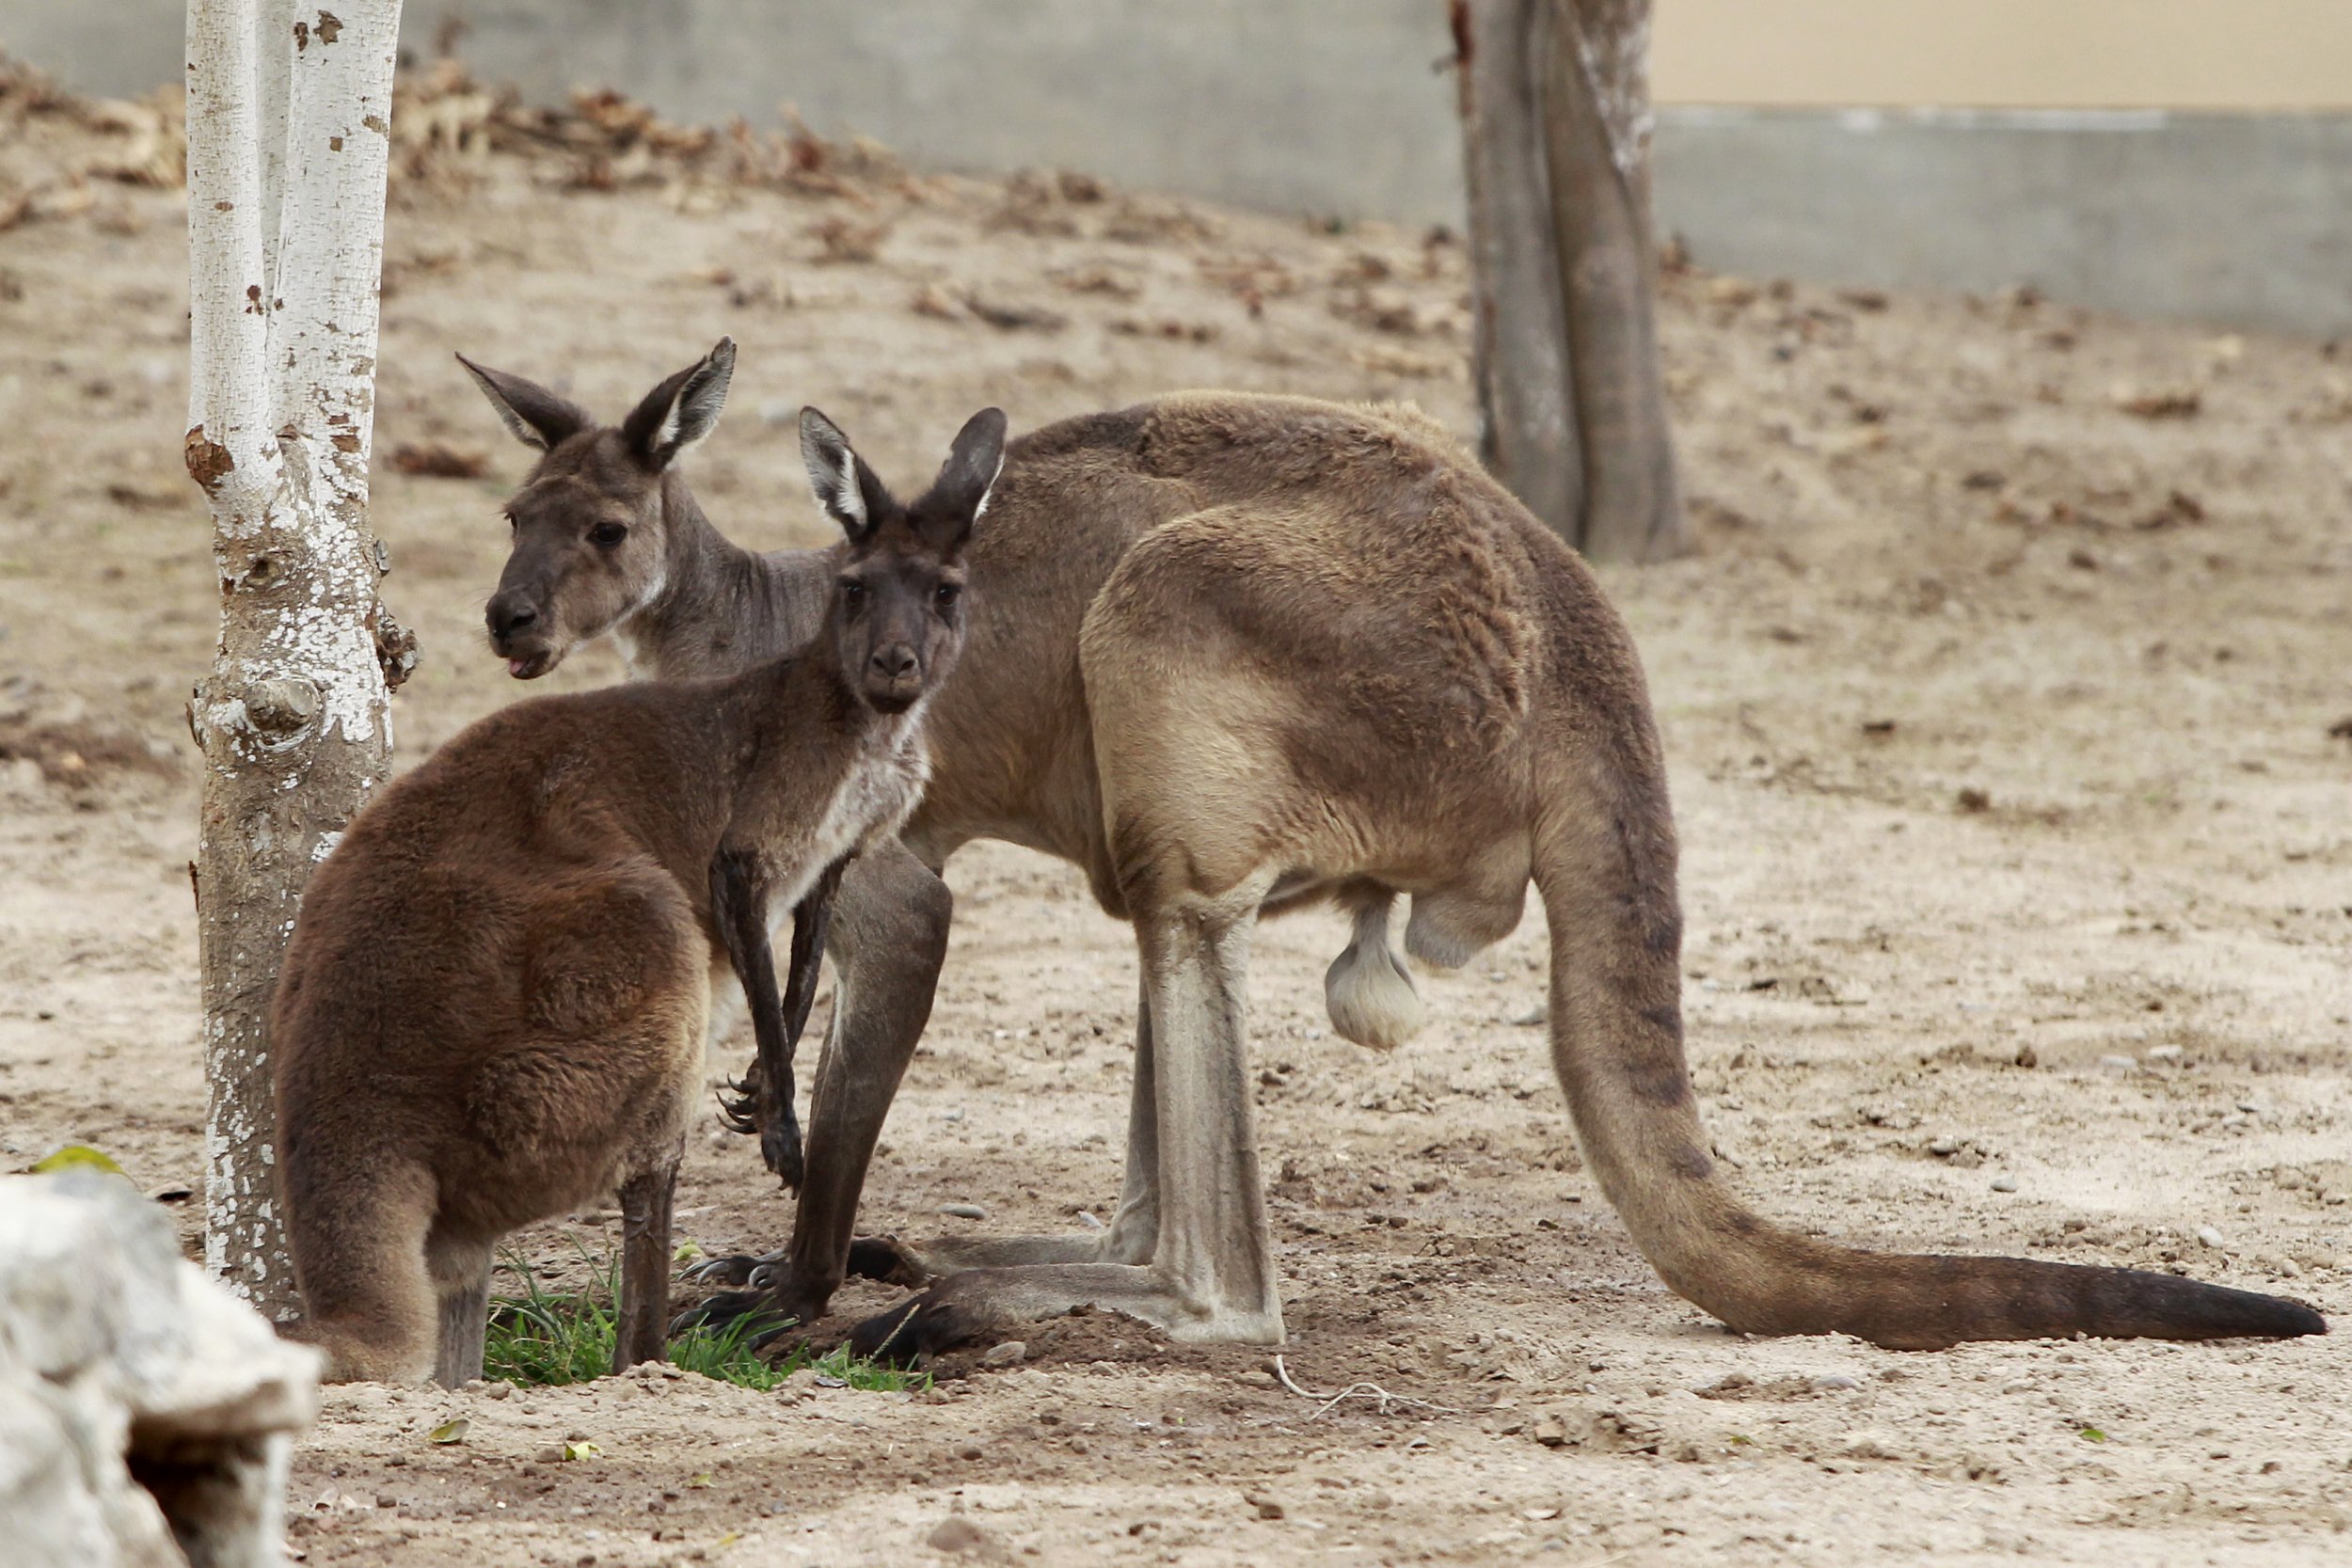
(1555, 109)
(289, 126)
(1519, 343)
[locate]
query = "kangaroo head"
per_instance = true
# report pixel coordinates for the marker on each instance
(898, 610)
(591, 527)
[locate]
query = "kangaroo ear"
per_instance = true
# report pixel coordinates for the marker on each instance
(845, 487)
(682, 410)
(534, 415)
(968, 477)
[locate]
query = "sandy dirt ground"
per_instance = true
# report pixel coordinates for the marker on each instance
(2017, 863)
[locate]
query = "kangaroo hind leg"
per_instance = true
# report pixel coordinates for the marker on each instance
(644, 1305)
(359, 1241)
(461, 1279)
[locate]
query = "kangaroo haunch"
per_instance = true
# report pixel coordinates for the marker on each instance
(1271, 651)
(492, 1009)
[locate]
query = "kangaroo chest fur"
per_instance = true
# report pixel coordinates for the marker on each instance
(875, 797)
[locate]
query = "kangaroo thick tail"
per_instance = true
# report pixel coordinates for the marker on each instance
(1606, 870)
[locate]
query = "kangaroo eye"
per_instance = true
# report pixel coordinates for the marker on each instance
(852, 590)
(949, 594)
(608, 533)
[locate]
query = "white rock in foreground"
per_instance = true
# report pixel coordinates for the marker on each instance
(116, 1352)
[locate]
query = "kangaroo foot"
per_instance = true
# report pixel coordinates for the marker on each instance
(980, 1303)
(736, 1269)
(907, 1333)
(889, 1261)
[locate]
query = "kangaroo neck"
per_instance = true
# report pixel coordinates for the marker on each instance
(722, 608)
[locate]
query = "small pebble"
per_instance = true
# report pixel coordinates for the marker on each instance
(1088, 1221)
(1011, 1353)
(2119, 1064)
(2166, 1053)
(1944, 1144)
(2208, 1235)
(964, 1210)
(498, 1392)
(1835, 1381)
(1267, 1507)
(956, 1535)
(1532, 1017)
(2005, 1183)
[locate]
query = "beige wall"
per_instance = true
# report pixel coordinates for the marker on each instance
(2065, 54)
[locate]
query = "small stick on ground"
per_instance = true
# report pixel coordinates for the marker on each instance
(1355, 1392)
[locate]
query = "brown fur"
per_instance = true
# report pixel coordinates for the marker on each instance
(492, 1009)
(1271, 650)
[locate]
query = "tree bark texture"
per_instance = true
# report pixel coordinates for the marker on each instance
(1555, 106)
(289, 141)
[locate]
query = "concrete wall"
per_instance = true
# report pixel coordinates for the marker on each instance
(2006, 53)
(1336, 106)
(2243, 220)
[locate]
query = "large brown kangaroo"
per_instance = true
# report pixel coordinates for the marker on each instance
(1269, 650)
(492, 1009)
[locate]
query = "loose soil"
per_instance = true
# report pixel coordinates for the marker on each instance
(2016, 861)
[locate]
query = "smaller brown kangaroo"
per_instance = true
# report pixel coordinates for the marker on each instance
(492, 1009)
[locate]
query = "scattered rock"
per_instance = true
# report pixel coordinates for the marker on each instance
(1836, 1382)
(1975, 802)
(1267, 1507)
(1550, 1430)
(1011, 1353)
(1534, 1017)
(956, 1536)
(2005, 1183)
(119, 1360)
(2119, 1064)
(964, 1210)
(2208, 1235)
(2169, 1055)
(2027, 1056)
(1944, 1145)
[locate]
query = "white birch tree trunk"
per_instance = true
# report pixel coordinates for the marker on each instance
(288, 144)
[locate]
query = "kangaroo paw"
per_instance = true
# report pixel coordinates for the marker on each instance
(780, 1148)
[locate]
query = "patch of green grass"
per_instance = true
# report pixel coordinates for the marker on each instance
(542, 1338)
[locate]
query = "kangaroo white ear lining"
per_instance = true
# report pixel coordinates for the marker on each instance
(846, 496)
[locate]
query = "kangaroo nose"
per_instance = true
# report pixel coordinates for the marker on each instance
(894, 663)
(507, 619)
